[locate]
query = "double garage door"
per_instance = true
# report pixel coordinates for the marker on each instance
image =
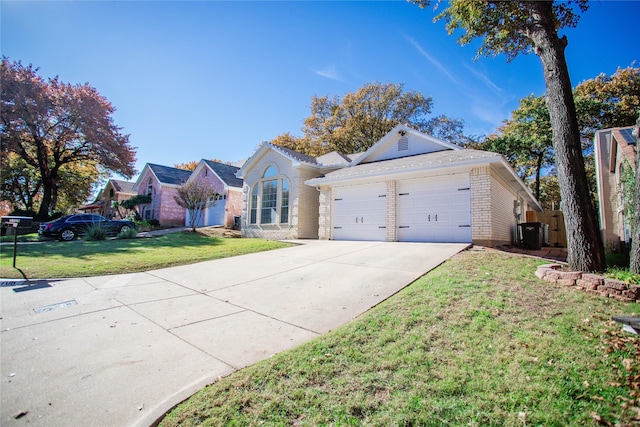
(435, 209)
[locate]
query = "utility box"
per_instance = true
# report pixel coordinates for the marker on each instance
(15, 225)
(531, 235)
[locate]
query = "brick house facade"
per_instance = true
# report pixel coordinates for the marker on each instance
(229, 188)
(161, 184)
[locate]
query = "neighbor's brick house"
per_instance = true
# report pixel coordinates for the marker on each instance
(229, 187)
(161, 183)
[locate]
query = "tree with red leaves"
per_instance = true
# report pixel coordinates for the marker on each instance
(55, 126)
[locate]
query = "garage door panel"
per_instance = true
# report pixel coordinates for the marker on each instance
(359, 212)
(436, 209)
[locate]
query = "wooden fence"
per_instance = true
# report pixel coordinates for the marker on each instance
(555, 220)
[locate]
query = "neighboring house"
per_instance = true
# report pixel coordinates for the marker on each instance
(614, 151)
(408, 186)
(229, 204)
(161, 183)
(115, 191)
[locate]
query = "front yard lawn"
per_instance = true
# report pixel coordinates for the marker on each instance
(53, 259)
(479, 341)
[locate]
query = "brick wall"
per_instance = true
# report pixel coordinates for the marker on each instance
(324, 220)
(591, 283)
(308, 203)
(170, 213)
(503, 220)
(233, 206)
(391, 235)
(480, 183)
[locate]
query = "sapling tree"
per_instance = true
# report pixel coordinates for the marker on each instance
(195, 197)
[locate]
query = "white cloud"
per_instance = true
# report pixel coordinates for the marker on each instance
(330, 72)
(434, 61)
(484, 79)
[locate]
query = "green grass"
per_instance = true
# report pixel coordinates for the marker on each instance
(79, 258)
(31, 237)
(479, 341)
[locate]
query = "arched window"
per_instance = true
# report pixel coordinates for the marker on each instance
(150, 187)
(269, 202)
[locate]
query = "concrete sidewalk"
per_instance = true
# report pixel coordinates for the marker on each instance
(121, 350)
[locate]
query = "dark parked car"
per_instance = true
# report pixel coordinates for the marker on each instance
(69, 227)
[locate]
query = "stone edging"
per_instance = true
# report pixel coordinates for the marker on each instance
(591, 283)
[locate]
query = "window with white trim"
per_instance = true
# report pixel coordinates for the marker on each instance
(269, 199)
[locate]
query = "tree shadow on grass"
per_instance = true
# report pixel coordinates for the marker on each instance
(80, 249)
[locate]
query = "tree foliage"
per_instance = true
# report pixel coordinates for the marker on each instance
(59, 129)
(525, 140)
(608, 101)
(356, 121)
(520, 27)
(131, 203)
(195, 197)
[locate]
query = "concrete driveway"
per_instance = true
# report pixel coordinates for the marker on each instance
(121, 350)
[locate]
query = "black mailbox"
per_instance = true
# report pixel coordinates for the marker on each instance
(17, 224)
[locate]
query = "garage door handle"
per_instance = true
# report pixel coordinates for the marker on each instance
(467, 225)
(436, 217)
(403, 194)
(429, 218)
(335, 228)
(404, 226)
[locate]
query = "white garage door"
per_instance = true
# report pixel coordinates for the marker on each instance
(359, 212)
(436, 209)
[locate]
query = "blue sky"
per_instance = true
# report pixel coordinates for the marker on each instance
(211, 79)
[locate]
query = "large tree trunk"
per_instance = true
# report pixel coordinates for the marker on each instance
(586, 252)
(635, 233)
(47, 195)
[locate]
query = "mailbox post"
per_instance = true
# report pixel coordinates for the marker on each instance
(13, 223)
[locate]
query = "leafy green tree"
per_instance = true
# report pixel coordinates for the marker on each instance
(608, 101)
(21, 184)
(526, 140)
(130, 204)
(359, 119)
(521, 27)
(53, 125)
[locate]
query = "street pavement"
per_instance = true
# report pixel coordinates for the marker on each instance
(121, 350)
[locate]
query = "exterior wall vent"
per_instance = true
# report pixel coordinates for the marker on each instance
(403, 143)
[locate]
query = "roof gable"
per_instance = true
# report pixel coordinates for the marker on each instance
(164, 175)
(122, 186)
(330, 161)
(403, 141)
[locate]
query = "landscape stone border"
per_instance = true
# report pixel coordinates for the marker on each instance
(593, 284)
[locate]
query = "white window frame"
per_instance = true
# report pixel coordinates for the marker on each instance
(256, 208)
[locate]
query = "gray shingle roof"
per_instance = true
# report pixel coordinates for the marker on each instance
(227, 173)
(169, 175)
(123, 186)
(294, 154)
(420, 161)
(330, 159)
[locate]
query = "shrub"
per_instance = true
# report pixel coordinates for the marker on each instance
(95, 232)
(623, 274)
(129, 233)
(154, 223)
